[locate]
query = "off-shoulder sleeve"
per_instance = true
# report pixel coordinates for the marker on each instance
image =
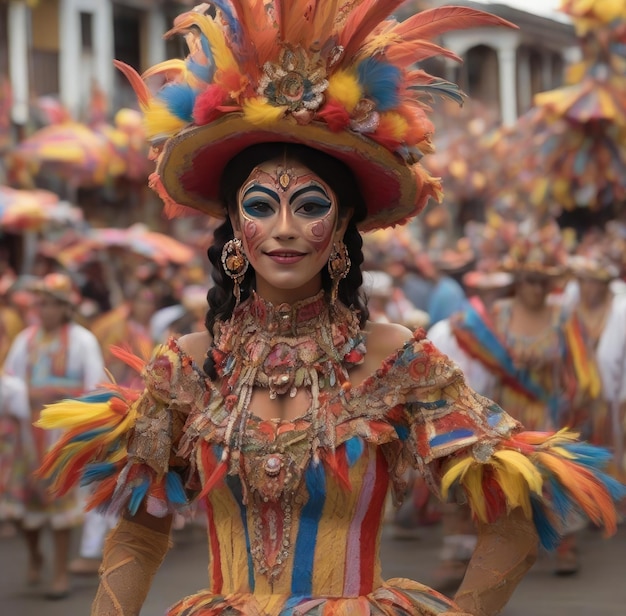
(126, 442)
(467, 445)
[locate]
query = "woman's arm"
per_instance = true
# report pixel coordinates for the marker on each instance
(133, 553)
(506, 550)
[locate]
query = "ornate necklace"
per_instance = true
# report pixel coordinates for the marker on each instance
(282, 348)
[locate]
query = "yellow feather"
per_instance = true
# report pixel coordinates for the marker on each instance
(343, 86)
(455, 473)
(159, 122)
(222, 55)
(258, 111)
(473, 484)
(69, 414)
(175, 65)
(514, 461)
(397, 126)
(515, 488)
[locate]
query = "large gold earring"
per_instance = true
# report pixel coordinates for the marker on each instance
(235, 264)
(338, 268)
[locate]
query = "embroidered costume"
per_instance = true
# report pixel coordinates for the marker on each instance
(295, 507)
(291, 493)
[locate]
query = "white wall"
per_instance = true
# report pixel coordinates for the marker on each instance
(76, 71)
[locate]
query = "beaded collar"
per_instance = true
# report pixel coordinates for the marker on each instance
(282, 348)
(288, 346)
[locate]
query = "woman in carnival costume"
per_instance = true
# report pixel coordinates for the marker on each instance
(292, 415)
(596, 340)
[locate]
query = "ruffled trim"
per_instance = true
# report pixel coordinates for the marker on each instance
(398, 597)
(121, 439)
(546, 474)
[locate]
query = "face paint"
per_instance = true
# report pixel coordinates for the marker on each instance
(288, 220)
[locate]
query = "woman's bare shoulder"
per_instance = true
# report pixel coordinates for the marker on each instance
(385, 338)
(196, 345)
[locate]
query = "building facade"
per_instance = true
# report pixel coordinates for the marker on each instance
(65, 47)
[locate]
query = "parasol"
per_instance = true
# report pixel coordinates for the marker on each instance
(72, 151)
(31, 210)
(137, 239)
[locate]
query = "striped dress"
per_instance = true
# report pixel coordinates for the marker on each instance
(295, 514)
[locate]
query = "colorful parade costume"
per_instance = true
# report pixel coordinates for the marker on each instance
(295, 508)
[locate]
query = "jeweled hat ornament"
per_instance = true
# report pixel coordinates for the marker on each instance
(336, 75)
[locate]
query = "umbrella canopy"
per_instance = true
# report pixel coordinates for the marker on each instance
(137, 239)
(31, 210)
(78, 154)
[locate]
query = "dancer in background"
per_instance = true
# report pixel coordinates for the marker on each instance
(56, 359)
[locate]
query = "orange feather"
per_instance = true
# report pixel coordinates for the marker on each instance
(129, 358)
(141, 89)
(433, 22)
(363, 20)
(415, 51)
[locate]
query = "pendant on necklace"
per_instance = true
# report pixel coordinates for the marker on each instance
(273, 465)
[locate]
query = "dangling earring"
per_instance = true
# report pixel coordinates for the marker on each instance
(235, 264)
(338, 268)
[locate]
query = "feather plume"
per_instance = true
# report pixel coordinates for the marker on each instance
(362, 21)
(258, 111)
(176, 66)
(160, 123)
(344, 87)
(431, 23)
(140, 88)
(128, 357)
(405, 54)
(380, 82)
(323, 23)
(441, 88)
(220, 50)
(519, 463)
(455, 473)
(258, 32)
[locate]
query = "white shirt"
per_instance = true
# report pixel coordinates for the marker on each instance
(84, 361)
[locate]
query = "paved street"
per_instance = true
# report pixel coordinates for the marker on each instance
(599, 590)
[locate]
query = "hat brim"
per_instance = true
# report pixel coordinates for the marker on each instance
(191, 165)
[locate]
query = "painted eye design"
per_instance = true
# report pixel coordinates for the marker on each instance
(314, 209)
(257, 209)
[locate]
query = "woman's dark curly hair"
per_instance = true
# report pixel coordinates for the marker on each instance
(338, 176)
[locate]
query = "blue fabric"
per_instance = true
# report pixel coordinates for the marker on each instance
(446, 298)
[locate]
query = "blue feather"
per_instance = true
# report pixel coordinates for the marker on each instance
(206, 50)
(354, 450)
(97, 472)
(380, 82)
(204, 72)
(548, 535)
(232, 22)
(97, 397)
(88, 436)
(180, 99)
(616, 489)
(561, 502)
(174, 488)
(589, 455)
(137, 495)
(443, 88)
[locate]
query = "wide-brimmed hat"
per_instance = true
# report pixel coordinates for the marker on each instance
(333, 75)
(542, 252)
(59, 286)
